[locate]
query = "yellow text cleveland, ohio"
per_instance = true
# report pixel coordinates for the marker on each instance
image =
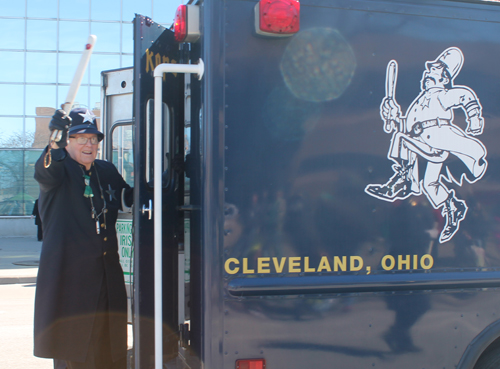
(297, 264)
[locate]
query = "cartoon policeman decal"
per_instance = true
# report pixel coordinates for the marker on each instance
(428, 133)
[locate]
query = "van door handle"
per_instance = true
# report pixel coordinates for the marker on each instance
(149, 210)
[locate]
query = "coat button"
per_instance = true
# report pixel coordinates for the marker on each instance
(104, 253)
(105, 238)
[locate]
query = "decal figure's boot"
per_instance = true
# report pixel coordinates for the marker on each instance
(398, 186)
(454, 210)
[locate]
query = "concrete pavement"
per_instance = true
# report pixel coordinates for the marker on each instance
(19, 258)
(16, 325)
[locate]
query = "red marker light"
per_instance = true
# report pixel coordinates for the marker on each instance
(187, 23)
(251, 364)
(88, 47)
(180, 23)
(277, 17)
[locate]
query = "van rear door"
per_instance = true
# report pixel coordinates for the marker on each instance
(153, 45)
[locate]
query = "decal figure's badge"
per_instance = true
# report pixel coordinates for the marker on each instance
(428, 133)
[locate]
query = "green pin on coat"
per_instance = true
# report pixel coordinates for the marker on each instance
(88, 190)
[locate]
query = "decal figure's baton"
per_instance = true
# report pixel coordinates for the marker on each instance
(76, 82)
(390, 89)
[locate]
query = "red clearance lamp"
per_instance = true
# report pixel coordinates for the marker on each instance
(277, 18)
(251, 364)
(187, 23)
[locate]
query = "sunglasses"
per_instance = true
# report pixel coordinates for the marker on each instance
(83, 140)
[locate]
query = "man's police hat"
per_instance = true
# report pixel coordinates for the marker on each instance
(84, 121)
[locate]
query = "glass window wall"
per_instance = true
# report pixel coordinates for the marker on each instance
(103, 62)
(18, 189)
(81, 99)
(42, 8)
(12, 66)
(105, 10)
(41, 67)
(13, 8)
(39, 95)
(131, 7)
(108, 36)
(73, 35)
(11, 132)
(67, 66)
(40, 47)
(12, 31)
(164, 10)
(12, 99)
(41, 34)
(74, 9)
(127, 35)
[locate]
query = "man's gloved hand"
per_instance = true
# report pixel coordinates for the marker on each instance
(59, 125)
(60, 121)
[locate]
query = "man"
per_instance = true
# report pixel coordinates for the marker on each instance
(428, 132)
(80, 303)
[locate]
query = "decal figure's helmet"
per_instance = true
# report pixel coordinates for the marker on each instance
(453, 60)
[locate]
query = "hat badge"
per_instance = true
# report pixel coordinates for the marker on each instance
(88, 116)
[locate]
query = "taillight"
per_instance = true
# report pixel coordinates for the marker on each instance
(251, 364)
(187, 23)
(277, 17)
(180, 24)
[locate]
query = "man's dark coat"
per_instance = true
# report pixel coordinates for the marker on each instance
(75, 261)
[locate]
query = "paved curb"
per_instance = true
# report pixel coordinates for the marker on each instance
(18, 276)
(17, 280)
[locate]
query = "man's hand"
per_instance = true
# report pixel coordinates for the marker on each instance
(60, 121)
(59, 125)
(475, 125)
